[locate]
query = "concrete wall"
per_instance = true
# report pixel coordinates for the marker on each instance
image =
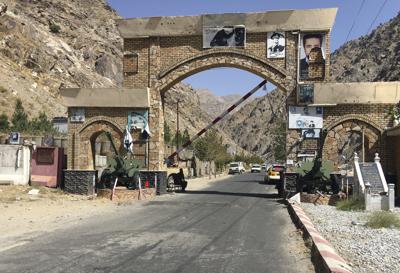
(14, 164)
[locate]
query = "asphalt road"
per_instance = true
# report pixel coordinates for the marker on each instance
(236, 225)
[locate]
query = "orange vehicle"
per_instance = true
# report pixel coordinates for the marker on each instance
(272, 173)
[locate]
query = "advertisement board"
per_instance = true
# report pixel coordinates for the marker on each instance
(275, 45)
(304, 117)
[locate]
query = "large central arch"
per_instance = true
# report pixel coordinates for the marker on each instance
(161, 51)
(223, 58)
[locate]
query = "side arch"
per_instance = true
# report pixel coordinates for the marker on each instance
(104, 119)
(87, 135)
(223, 58)
(362, 118)
(350, 134)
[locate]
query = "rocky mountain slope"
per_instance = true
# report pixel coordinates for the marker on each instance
(214, 105)
(49, 44)
(373, 57)
(254, 125)
(193, 115)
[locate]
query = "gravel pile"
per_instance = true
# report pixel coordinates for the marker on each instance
(365, 249)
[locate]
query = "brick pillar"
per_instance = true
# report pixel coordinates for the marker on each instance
(156, 117)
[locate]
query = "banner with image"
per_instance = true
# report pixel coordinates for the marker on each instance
(139, 120)
(312, 46)
(276, 45)
(226, 36)
(305, 117)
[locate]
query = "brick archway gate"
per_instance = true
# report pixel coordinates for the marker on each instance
(161, 51)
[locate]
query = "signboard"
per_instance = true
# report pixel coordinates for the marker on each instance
(14, 138)
(305, 94)
(305, 117)
(225, 36)
(370, 175)
(311, 133)
(77, 115)
(311, 43)
(138, 119)
(276, 45)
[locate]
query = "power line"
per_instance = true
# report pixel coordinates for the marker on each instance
(376, 17)
(354, 21)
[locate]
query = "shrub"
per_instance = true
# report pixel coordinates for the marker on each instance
(54, 28)
(350, 204)
(386, 219)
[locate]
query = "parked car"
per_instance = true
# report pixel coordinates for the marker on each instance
(264, 166)
(236, 167)
(255, 168)
(272, 173)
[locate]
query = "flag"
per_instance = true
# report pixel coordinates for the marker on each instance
(128, 141)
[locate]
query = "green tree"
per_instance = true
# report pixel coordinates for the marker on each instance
(19, 118)
(179, 136)
(279, 148)
(210, 148)
(186, 138)
(41, 124)
(167, 133)
(4, 123)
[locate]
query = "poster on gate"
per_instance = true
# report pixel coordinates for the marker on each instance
(305, 117)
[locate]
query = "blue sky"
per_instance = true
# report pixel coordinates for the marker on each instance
(223, 81)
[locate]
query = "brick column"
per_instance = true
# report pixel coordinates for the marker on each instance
(156, 117)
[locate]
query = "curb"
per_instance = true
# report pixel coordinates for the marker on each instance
(324, 256)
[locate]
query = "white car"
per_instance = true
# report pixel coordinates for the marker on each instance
(256, 168)
(236, 167)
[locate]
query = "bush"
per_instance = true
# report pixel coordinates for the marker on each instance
(383, 219)
(54, 28)
(350, 204)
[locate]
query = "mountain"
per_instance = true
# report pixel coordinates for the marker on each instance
(49, 44)
(254, 125)
(192, 115)
(214, 105)
(373, 57)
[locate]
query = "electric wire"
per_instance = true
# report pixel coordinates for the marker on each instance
(376, 17)
(354, 21)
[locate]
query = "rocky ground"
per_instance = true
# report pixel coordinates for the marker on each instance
(366, 249)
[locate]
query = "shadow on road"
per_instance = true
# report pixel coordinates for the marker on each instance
(244, 194)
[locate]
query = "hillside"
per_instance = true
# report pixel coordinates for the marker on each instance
(373, 57)
(254, 125)
(49, 44)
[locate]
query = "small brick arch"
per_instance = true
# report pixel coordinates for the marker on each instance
(100, 119)
(88, 133)
(224, 58)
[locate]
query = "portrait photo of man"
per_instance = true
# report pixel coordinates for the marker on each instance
(227, 36)
(311, 43)
(276, 45)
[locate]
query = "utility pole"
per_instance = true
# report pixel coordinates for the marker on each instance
(177, 128)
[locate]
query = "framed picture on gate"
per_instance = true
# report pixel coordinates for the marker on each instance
(305, 94)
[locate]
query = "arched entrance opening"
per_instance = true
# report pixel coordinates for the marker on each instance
(348, 137)
(95, 147)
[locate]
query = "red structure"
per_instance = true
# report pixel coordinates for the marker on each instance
(47, 165)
